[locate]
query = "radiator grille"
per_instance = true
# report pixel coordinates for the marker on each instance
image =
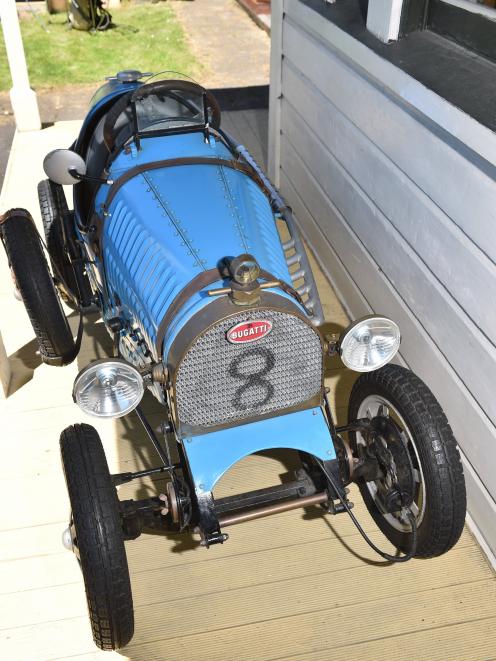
(218, 382)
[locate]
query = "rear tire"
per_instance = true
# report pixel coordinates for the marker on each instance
(99, 539)
(53, 208)
(35, 285)
(441, 496)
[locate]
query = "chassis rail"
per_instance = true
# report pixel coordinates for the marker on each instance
(285, 506)
(149, 512)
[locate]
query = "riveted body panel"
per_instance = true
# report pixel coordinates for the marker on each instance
(165, 226)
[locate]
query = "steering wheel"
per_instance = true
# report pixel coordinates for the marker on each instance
(160, 88)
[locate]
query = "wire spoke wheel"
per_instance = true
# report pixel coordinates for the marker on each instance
(376, 406)
(424, 458)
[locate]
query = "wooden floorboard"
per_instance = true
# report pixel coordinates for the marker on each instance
(295, 586)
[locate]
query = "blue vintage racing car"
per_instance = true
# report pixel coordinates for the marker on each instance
(175, 238)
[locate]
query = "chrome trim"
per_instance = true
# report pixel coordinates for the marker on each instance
(219, 310)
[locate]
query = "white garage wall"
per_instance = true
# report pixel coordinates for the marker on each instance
(396, 192)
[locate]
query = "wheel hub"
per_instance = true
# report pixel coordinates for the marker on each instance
(396, 490)
(179, 502)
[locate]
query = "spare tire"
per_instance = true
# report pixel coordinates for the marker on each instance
(34, 282)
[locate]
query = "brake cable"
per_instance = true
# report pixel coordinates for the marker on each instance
(410, 516)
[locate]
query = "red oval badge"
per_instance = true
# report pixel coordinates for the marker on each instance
(249, 331)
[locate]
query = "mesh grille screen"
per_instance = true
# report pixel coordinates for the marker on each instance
(219, 382)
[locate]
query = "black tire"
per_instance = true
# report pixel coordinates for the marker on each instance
(53, 208)
(444, 496)
(35, 284)
(98, 537)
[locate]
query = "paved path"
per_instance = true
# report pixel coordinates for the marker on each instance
(7, 129)
(55, 104)
(233, 50)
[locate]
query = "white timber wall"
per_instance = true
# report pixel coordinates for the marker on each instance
(395, 191)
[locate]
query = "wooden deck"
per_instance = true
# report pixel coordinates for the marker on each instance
(296, 585)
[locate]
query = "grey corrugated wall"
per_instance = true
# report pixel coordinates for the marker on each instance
(397, 196)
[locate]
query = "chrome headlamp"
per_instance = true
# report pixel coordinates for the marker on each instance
(108, 388)
(369, 343)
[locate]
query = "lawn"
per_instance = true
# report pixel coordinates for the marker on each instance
(147, 37)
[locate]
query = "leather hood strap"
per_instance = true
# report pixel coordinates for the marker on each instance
(203, 280)
(176, 162)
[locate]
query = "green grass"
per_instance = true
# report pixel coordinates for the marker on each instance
(147, 37)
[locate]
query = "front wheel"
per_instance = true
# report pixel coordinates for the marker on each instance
(96, 537)
(397, 401)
